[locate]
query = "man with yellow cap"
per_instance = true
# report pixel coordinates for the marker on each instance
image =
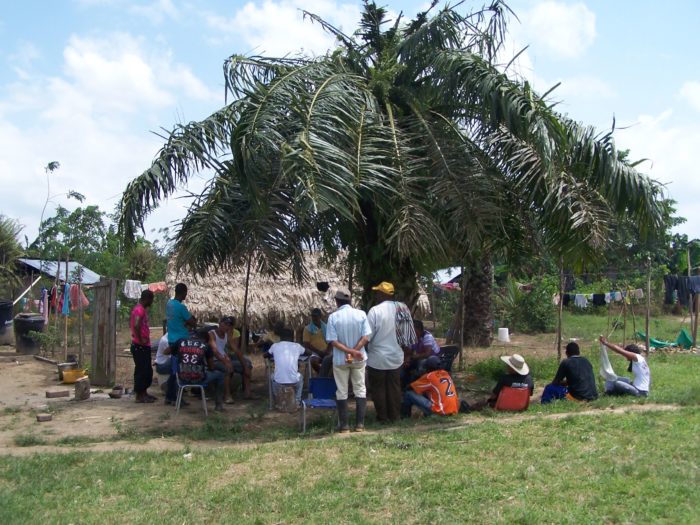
(392, 328)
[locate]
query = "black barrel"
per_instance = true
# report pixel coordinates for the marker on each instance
(25, 323)
(5, 315)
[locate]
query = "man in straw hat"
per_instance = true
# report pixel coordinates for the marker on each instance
(517, 376)
(389, 321)
(347, 331)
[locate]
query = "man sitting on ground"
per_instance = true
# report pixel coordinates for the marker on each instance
(314, 340)
(517, 376)
(576, 374)
(286, 354)
(434, 392)
(224, 340)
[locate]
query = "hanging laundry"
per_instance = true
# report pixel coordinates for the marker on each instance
(144, 287)
(694, 284)
(556, 299)
(132, 289)
(608, 298)
(683, 290)
(65, 307)
(670, 285)
(76, 291)
(46, 307)
(567, 299)
(581, 301)
(617, 296)
(599, 299)
(638, 293)
(42, 308)
(159, 287)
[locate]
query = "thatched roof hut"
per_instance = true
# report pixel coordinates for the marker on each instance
(270, 299)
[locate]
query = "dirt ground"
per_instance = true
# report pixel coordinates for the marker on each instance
(24, 382)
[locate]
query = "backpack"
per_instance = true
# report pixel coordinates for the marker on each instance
(405, 332)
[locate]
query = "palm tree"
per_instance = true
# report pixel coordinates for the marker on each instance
(10, 251)
(405, 146)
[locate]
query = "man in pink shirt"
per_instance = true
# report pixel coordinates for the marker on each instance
(141, 348)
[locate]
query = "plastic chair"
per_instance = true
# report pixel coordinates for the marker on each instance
(181, 386)
(321, 395)
(512, 399)
(447, 356)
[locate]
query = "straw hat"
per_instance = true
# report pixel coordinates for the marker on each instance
(517, 363)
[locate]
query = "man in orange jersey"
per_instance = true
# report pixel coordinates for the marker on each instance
(433, 392)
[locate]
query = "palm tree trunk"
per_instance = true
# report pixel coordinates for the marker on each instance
(478, 316)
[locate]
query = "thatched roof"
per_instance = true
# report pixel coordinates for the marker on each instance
(270, 299)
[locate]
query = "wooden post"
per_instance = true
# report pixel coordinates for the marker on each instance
(561, 306)
(65, 323)
(624, 319)
(244, 335)
(80, 320)
(693, 317)
(646, 324)
(461, 319)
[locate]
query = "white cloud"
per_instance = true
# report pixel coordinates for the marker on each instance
(672, 152)
(23, 58)
(278, 28)
(690, 92)
(561, 30)
(94, 119)
(584, 87)
(157, 11)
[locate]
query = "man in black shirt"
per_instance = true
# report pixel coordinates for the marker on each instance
(576, 373)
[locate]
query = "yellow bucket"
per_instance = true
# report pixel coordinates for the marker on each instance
(71, 376)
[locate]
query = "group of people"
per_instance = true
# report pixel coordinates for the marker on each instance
(396, 354)
(213, 358)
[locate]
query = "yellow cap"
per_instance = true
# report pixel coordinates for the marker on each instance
(384, 287)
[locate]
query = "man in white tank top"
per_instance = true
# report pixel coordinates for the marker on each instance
(224, 341)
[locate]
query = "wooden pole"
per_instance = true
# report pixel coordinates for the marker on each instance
(696, 300)
(461, 319)
(244, 338)
(690, 304)
(80, 319)
(65, 324)
(624, 318)
(561, 306)
(646, 324)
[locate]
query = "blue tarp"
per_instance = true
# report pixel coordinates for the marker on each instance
(49, 268)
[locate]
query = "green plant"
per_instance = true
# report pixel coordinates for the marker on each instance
(48, 340)
(29, 440)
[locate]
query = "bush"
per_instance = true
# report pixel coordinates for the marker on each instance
(527, 310)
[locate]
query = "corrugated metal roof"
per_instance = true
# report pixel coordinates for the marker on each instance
(49, 268)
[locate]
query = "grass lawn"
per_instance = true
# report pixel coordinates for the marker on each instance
(545, 467)
(607, 468)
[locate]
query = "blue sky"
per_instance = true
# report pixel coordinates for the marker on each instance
(88, 82)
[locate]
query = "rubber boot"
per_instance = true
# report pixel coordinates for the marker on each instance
(342, 416)
(360, 411)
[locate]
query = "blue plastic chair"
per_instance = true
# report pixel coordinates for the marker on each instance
(321, 395)
(181, 386)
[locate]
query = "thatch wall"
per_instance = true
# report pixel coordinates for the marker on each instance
(270, 299)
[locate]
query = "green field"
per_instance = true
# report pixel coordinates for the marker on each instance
(606, 468)
(560, 463)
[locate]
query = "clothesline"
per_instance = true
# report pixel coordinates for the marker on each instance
(132, 288)
(599, 299)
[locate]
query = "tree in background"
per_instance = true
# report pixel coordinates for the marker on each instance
(406, 146)
(10, 251)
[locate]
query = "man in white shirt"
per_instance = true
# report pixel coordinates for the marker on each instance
(385, 356)
(164, 368)
(224, 340)
(347, 331)
(286, 354)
